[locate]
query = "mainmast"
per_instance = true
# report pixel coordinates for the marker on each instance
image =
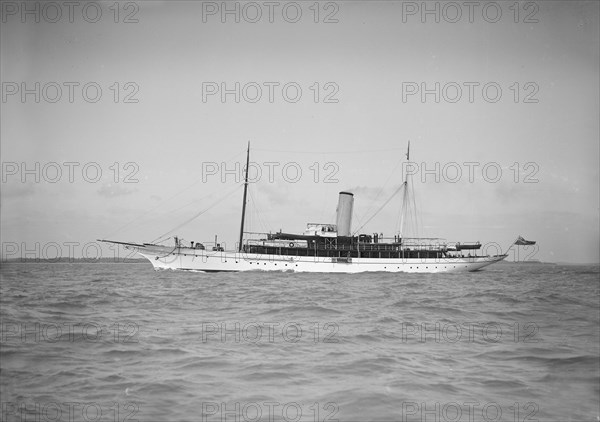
(244, 201)
(404, 194)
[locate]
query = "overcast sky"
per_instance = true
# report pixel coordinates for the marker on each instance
(510, 88)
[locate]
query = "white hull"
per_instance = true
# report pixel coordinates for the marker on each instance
(170, 258)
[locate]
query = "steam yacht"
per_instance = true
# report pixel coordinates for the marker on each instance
(322, 247)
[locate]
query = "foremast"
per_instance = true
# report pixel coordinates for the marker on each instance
(405, 193)
(244, 200)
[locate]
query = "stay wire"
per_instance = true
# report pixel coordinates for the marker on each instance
(163, 202)
(198, 214)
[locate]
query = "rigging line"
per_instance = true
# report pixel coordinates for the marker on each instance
(404, 212)
(199, 213)
(175, 210)
(356, 217)
(401, 214)
(410, 217)
(162, 240)
(190, 203)
(163, 202)
(397, 227)
(257, 211)
(414, 200)
(381, 189)
(328, 152)
(380, 208)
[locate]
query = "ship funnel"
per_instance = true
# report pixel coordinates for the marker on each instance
(344, 214)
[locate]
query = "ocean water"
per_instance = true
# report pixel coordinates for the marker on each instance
(117, 342)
